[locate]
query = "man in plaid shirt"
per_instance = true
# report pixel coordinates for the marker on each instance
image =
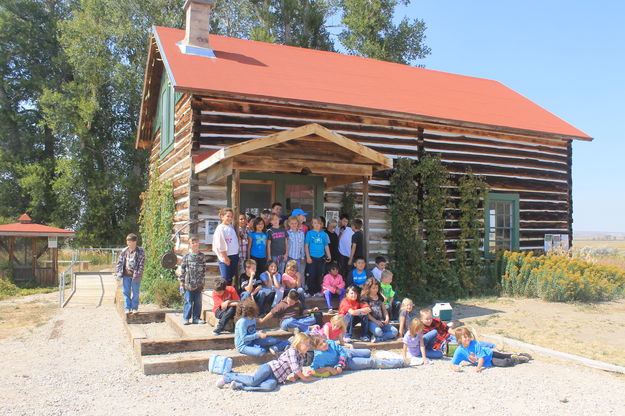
(130, 271)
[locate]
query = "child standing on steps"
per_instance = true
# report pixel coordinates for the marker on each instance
(333, 284)
(288, 367)
(277, 243)
(295, 244)
(247, 340)
(191, 276)
(257, 244)
(317, 254)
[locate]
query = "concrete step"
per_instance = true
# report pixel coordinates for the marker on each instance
(189, 362)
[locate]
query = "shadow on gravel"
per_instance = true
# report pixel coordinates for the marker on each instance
(463, 311)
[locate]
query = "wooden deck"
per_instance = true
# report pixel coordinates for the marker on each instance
(93, 289)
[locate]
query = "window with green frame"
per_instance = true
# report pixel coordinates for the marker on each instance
(165, 115)
(501, 223)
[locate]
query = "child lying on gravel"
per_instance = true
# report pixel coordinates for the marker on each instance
(469, 350)
(330, 358)
(288, 367)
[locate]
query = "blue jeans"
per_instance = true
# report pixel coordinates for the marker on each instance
(228, 271)
(383, 333)
(260, 298)
(192, 305)
(428, 340)
(260, 264)
(302, 323)
(128, 283)
(360, 359)
(328, 295)
(352, 320)
(300, 292)
(262, 380)
(260, 346)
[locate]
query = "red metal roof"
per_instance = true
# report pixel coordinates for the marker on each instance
(26, 229)
(268, 70)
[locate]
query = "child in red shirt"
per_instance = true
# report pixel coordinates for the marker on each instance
(354, 312)
(225, 301)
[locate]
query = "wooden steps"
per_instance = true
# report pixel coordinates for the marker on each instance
(163, 345)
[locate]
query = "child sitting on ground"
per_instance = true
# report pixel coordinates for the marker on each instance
(471, 351)
(330, 358)
(359, 274)
(379, 318)
(414, 348)
(225, 300)
(333, 284)
(191, 275)
(292, 314)
(380, 266)
(249, 341)
(287, 367)
(406, 315)
(387, 292)
(435, 333)
(252, 286)
(353, 312)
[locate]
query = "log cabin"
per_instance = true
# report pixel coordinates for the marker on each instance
(240, 123)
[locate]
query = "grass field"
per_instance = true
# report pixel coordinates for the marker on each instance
(618, 244)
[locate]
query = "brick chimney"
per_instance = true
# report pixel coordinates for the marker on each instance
(197, 28)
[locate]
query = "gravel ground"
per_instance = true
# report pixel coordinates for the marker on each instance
(86, 368)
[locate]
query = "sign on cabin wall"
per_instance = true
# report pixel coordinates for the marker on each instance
(52, 242)
(210, 227)
(332, 215)
(556, 242)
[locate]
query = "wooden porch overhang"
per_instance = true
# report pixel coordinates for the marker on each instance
(309, 149)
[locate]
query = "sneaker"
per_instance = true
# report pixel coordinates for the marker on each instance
(524, 354)
(520, 359)
(364, 339)
(186, 323)
(221, 383)
(216, 331)
(198, 321)
(347, 340)
(274, 350)
(374, 340)
(317, 294)
(330, 310)
(235, 385)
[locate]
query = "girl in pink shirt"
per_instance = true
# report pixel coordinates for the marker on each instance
(333, 330)
(333, 284)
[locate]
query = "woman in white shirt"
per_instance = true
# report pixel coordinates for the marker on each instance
(226, 245)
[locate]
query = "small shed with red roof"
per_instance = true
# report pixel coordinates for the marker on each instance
(233, 122)
(31, 250)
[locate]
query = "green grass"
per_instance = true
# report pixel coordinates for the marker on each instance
(9, 290)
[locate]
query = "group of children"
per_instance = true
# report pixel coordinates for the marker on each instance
(271, 284)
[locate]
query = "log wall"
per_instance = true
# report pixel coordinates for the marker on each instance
(537, 169)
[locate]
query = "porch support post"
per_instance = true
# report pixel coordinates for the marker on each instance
(34, 259)
(234, 195)
(365, 214)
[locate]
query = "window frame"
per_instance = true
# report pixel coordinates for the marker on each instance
(514, 221)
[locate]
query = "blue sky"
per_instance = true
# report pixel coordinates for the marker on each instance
(568, 57)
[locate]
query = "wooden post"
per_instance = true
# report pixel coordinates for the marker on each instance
(365, 214)
(34, 260)
(234, 201)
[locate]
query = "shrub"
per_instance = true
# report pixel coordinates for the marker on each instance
(7, 289)
(166, 293)
(560, 278)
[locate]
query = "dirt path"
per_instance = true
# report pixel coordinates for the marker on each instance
(594, 331)
(20, 315)
(80, 363)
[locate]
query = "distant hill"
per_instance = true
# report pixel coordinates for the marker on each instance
(598, 235)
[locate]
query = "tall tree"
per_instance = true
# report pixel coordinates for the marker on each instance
(369, 31)
(31, 61)
(94, 113)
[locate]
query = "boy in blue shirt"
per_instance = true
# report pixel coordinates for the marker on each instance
(469, 350)
(316, 246)
(332, 358)
(359, 275)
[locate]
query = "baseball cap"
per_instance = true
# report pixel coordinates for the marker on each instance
(297, 212)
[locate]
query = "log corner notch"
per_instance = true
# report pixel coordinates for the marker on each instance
(344, 157)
